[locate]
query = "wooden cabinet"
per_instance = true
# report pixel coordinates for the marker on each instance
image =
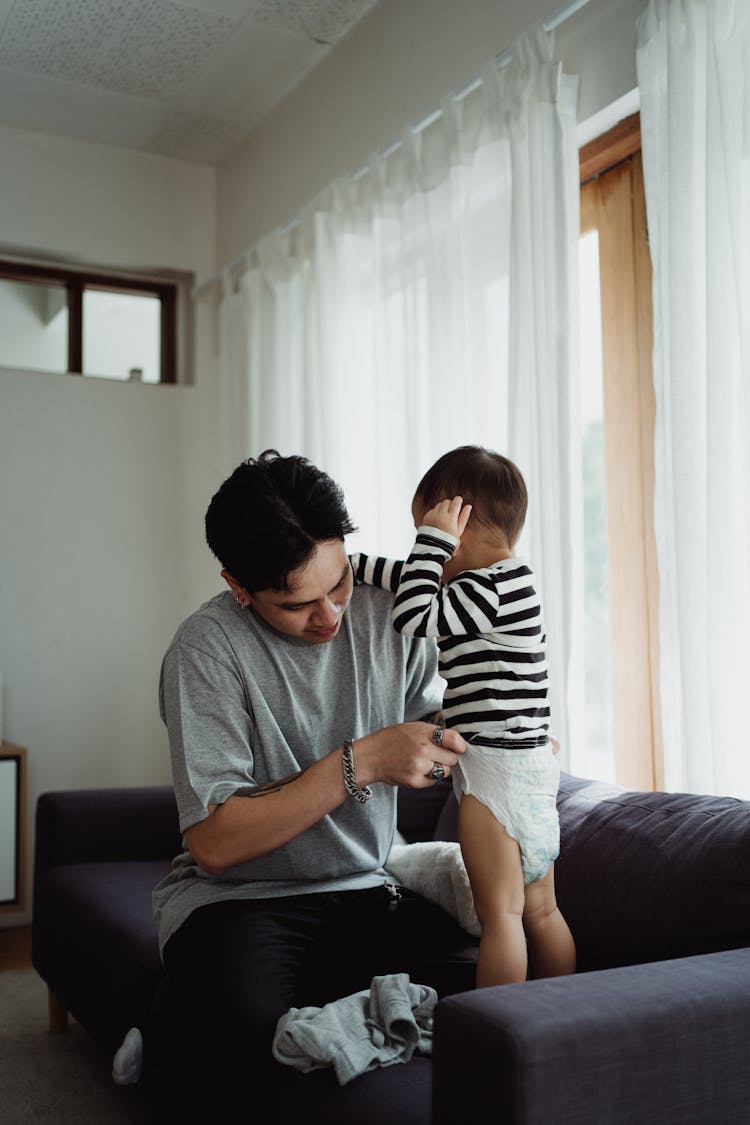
(12, 826)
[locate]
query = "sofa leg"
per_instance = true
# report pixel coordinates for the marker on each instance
(58, 1013)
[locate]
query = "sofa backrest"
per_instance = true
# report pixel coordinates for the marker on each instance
(641, 876)
(650, 876)
(129, 823)
(420, 810)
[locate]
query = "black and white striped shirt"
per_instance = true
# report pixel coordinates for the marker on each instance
(490, 636)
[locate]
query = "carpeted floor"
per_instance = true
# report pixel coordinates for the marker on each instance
(59, 1079)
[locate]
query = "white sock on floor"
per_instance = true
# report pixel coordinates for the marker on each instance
(128, 1061)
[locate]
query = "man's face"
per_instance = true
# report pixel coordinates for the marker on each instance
(319, 593)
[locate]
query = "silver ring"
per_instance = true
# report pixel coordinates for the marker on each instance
(437, 773)
(437, 736)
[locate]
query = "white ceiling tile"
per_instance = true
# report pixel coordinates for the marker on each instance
(324, 21)
(162, 49)
(186, 78)
(60, 38)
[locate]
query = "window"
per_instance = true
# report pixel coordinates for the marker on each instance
(621, 578)
(89, 324)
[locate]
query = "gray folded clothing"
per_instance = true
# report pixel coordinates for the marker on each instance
(382, 1025)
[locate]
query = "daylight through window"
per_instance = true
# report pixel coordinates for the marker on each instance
(88, 324)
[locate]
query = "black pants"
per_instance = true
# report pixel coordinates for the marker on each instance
(234, 968)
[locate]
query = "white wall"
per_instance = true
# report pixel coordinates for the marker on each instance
(102, 484)
(388, 74)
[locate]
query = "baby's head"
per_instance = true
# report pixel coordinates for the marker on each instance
(488, 481)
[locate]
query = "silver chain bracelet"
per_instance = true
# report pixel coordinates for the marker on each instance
(350, 781)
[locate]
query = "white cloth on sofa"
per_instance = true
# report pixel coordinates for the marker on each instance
(435, 869)
(382, 1025)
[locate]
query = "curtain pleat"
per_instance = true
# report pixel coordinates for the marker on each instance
(694, 80)
(428, 302)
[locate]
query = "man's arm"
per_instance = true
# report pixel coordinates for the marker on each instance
(245, 827)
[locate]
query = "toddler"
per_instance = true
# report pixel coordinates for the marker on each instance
(463, 585)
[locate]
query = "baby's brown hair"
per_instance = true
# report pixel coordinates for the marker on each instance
(491, 483)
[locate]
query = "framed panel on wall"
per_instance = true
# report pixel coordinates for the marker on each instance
(12, 834)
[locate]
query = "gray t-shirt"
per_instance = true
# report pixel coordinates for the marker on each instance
(245, 705)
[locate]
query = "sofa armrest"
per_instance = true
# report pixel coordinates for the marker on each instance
(89, 825)
(665, 1042)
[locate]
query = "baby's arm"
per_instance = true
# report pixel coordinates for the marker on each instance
(486, 600)
(373, 570)
(475, 601)
(426, 608)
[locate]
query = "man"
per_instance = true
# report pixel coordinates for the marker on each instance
(294, 711)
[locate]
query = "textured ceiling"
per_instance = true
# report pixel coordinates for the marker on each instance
(190, 80)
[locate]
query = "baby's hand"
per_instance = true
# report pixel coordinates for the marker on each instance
(449, 515)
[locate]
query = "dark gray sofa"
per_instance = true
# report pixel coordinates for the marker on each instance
(654, 1028)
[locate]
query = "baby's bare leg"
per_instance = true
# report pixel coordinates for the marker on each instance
(551, 946)
(493, 864)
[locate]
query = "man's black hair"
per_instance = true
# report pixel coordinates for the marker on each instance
(268, 517)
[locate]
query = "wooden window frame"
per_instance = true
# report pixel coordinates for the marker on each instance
(612, 201)
(76, 282)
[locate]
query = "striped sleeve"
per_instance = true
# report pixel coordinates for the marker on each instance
(373, 570)
(500, 599)
(424, 607)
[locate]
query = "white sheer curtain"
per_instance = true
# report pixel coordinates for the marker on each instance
(694, 80)
(425, 303)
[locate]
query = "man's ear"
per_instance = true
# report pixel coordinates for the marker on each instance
(240, 593)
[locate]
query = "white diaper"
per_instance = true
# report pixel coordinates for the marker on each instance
(520, 787)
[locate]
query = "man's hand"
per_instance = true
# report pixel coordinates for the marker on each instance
(451, 516)
(406, 754)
